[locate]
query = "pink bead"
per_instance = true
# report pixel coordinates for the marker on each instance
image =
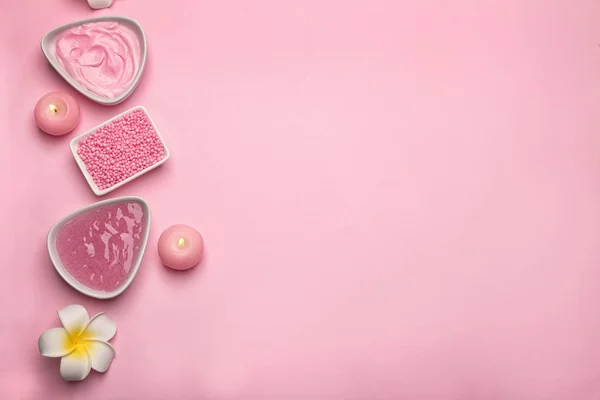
(121, 149)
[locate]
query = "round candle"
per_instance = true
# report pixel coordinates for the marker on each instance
(56, 113)
(180, 247)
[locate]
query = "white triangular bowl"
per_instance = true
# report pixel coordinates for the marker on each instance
(49, 42)
(74, 283)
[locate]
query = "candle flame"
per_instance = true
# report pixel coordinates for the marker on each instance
(181, 242)
(53, 109)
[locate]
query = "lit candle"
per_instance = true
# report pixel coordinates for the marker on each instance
(57, 113)
(180, 247)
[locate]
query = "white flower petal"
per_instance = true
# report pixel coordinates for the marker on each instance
(101, 328)
(75, 366)
(74, 318)
(55, 342)
(101, 354)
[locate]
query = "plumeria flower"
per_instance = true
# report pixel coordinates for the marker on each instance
(82, 343)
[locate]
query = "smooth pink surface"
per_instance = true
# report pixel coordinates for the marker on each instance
(180, 247)
(56, 113)
(400, 200)
(100, 247)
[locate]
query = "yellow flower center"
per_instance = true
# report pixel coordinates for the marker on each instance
(77, 342)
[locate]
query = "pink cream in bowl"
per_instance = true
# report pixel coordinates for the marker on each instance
(104, 57)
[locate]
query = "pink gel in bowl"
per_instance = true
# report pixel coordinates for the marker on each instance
(100, 247)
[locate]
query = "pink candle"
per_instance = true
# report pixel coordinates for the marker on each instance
(180, 247)
(57, 113)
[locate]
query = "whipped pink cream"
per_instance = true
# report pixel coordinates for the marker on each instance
(104, 57)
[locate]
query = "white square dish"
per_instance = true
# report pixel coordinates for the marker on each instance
(100, 192)
(49, 44)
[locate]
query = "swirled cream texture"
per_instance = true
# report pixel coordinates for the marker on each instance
(104, 57)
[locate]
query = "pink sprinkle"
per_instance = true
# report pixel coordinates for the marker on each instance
(121, 149)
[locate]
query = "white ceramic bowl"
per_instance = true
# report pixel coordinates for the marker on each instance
(75, 284)
(49, 43)
(97, 191)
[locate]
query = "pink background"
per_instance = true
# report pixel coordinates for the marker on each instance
(400, 200)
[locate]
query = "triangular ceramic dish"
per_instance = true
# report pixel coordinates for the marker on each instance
(49, 43)
(74, 241)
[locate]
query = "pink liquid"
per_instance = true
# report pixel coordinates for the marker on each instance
(99, 248)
